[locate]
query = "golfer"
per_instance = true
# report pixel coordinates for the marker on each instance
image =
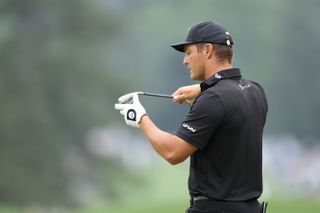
(221, 133)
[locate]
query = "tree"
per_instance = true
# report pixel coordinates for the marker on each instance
(55, 84)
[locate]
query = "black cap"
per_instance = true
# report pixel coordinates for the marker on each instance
(205, 32)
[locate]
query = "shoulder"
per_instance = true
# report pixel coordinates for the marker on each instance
(209, 103)
(208, 96)
(223, 89)
(258, 88)
(256, 84)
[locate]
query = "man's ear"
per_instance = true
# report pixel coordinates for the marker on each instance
(209, 49)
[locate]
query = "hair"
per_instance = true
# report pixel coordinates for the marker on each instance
(222, 52)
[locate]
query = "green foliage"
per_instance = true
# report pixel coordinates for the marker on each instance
(53, 88)
(295, 90)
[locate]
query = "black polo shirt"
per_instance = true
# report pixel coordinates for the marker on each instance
(226, 123)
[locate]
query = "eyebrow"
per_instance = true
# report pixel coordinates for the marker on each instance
(187, 48)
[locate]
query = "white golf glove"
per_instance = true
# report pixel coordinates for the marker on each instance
(131, 108)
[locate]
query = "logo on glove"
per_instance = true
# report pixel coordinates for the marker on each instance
(131, 115)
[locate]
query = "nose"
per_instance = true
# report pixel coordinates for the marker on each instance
(185, 60)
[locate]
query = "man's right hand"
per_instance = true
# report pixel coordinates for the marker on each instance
(186, 94)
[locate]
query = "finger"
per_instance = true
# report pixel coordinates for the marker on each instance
(119, 106)
(175, 95)
(125, 98)
(175, 98)
(135, 98)
(179, 98)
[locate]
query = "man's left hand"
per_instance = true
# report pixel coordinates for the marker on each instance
(131, 108)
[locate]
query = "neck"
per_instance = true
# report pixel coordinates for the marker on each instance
(217, 68)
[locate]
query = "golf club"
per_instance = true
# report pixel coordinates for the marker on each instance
(156, 95)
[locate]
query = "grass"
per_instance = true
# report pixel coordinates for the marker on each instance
(165, 190)
(293, 206)
(275, 206)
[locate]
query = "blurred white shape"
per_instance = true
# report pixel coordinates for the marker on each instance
(292, 165)
(119, 143)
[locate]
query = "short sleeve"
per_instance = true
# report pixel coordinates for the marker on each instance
(202, 120)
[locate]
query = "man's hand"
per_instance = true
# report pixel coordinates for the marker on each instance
(131, 108)
(186, 94)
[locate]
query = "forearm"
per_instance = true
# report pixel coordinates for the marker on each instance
(168, 146)
(187, 94)
(159, 139)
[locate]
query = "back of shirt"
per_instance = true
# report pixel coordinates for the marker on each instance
(226, 123)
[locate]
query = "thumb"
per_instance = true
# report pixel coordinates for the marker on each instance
(179, 98)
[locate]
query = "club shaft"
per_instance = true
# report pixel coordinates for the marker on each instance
(157, 95)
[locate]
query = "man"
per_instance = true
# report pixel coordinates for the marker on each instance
(222, 132)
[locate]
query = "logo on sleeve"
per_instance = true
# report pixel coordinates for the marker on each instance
(188, 127)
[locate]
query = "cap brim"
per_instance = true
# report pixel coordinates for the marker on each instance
(180, 46)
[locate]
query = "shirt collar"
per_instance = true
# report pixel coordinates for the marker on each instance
(223, 74)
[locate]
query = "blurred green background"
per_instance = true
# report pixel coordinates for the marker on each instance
(63, 64)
